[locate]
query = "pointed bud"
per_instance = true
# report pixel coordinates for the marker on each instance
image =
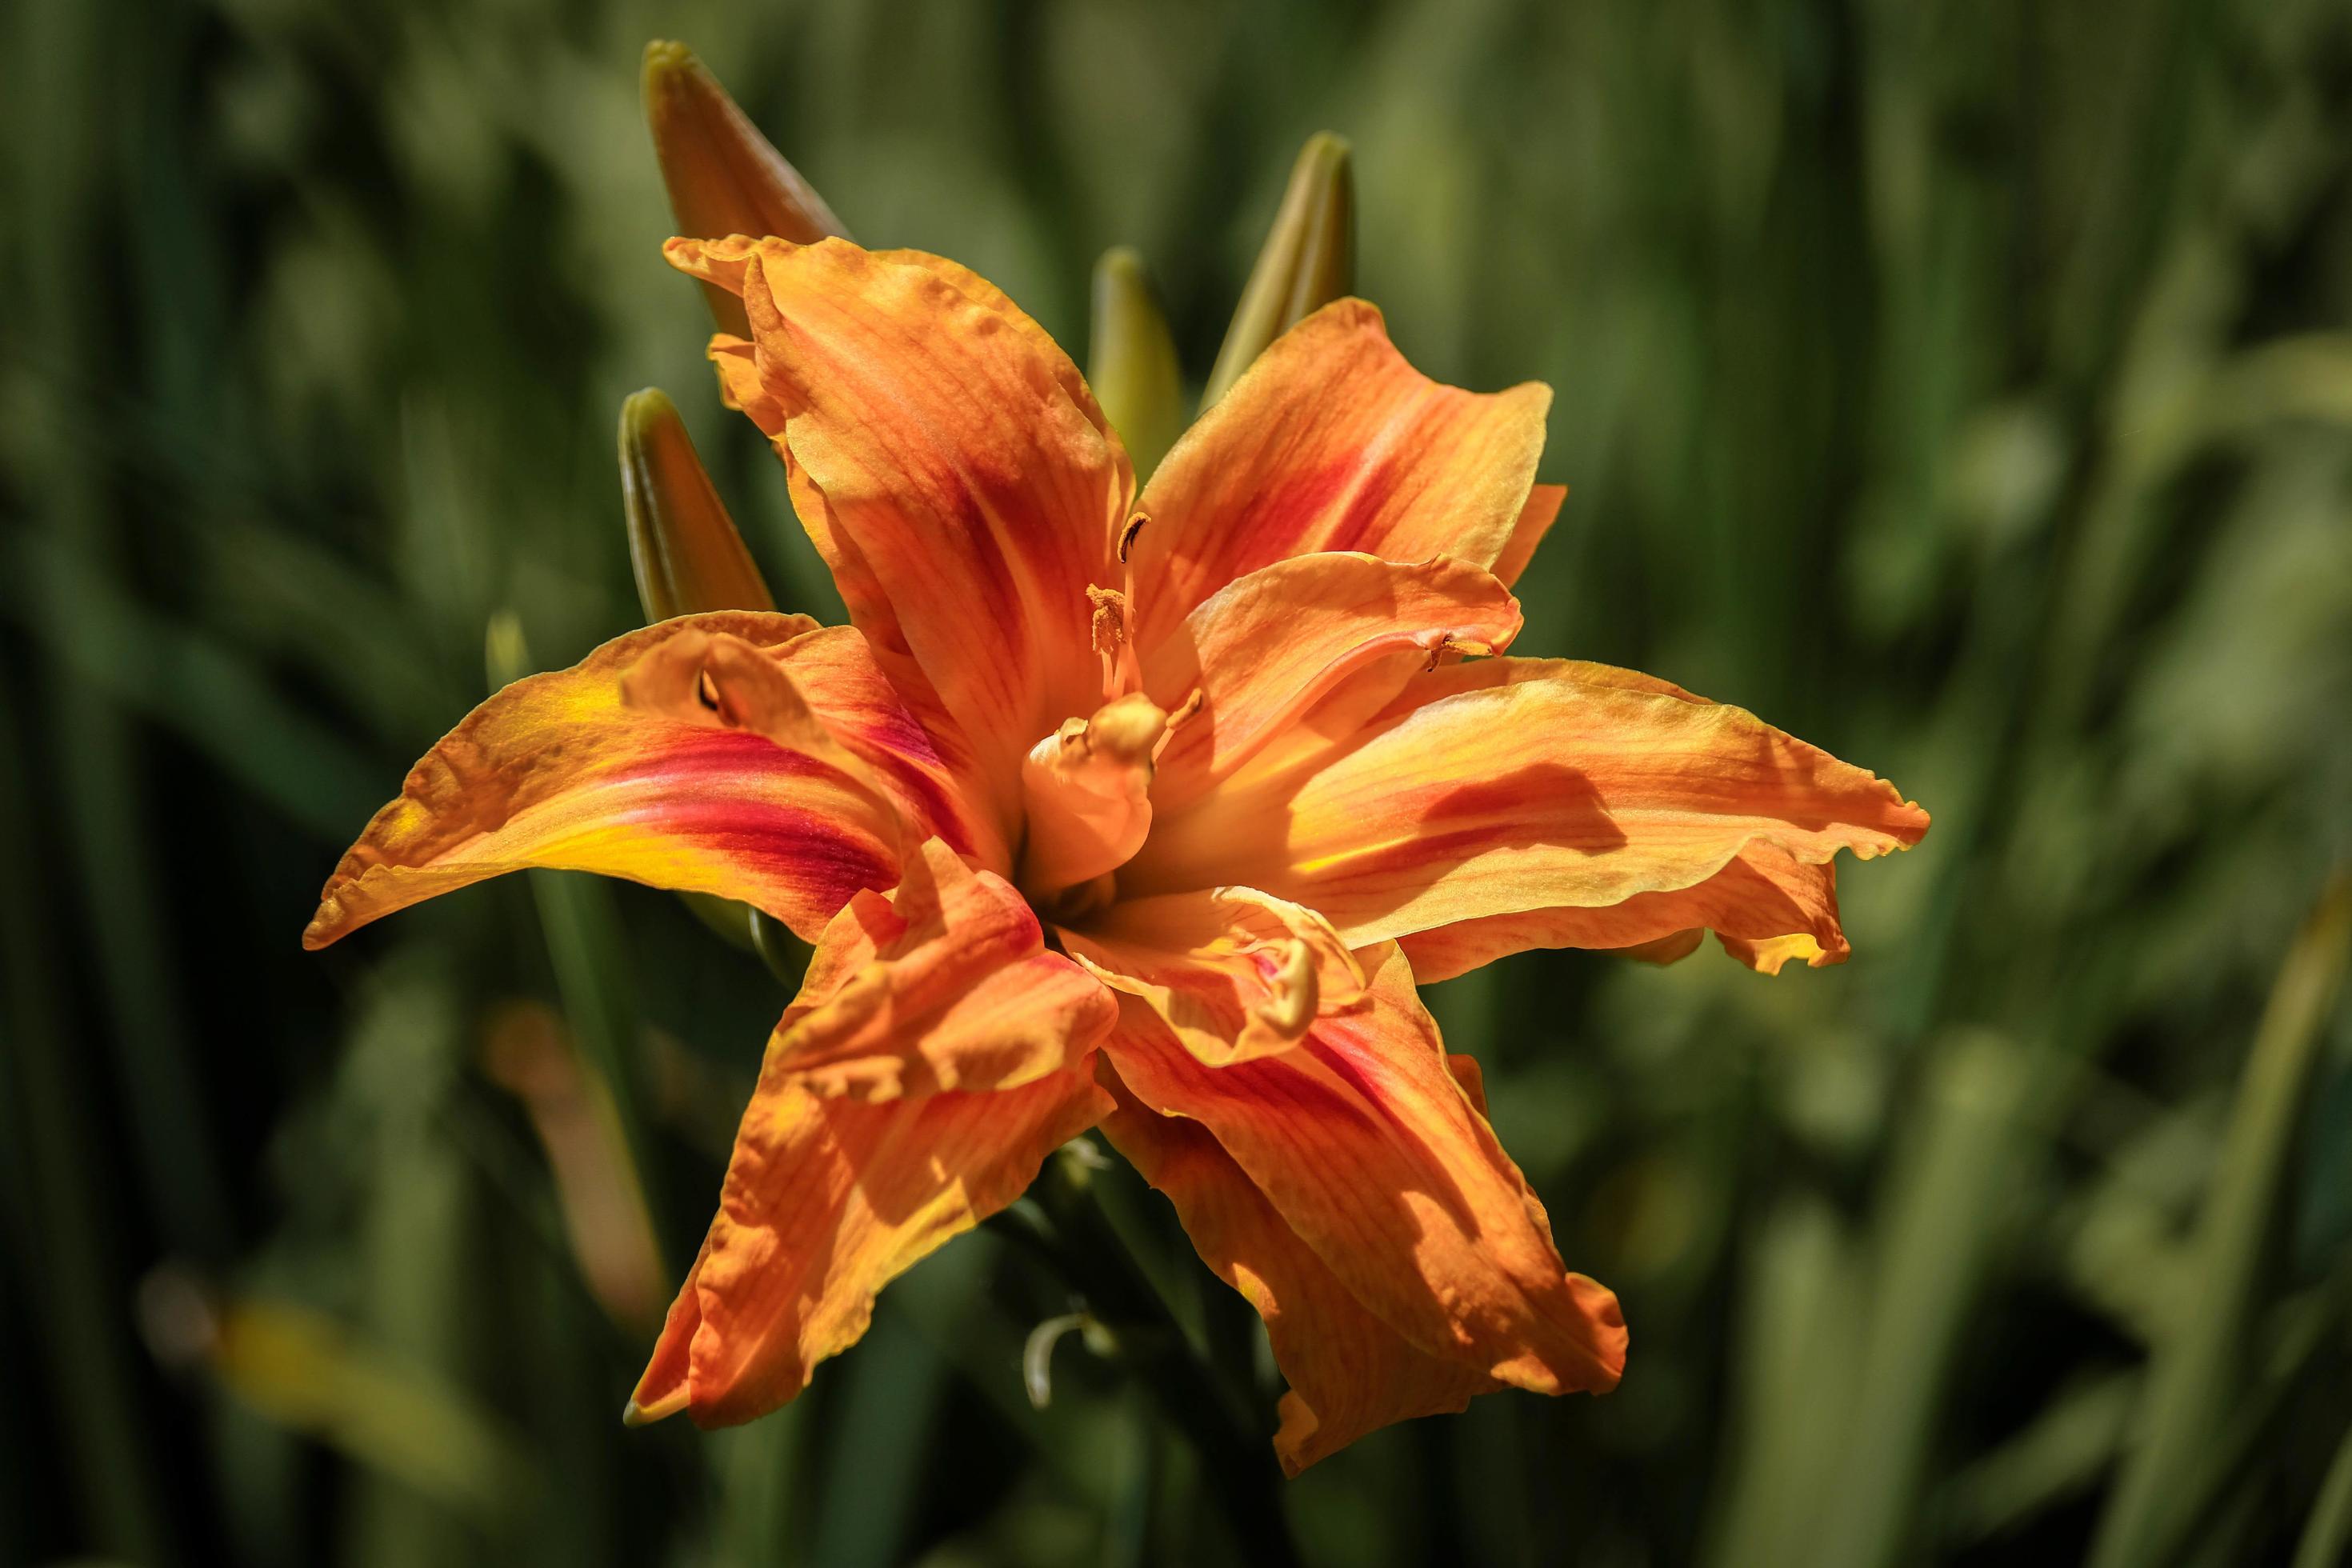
(1308, 261)
(687, 556)
(724, 177)
(1131, 360)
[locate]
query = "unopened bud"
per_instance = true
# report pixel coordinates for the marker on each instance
(724, 177)
(1308, 261)
(686, 552)
(1131, 360)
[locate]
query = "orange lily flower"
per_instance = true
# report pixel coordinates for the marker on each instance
(1144, 817)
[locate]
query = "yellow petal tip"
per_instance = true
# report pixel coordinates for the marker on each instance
(635, 1414)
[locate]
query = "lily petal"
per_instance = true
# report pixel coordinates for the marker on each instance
(943, 984)
(1506, 786)
(1374, 1155)
(935, 787)
(1331, 441)
(1350, 1373)
(1233, 973)
(970, 489)
(1766, 906)
(825, 1201)
(560, 771)
(1261, 650)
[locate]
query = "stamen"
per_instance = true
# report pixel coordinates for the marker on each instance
(1127, 535)
(1122, 672)
(1185, 710)
(1086, 792)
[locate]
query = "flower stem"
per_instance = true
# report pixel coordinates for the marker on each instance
(1062, 1223)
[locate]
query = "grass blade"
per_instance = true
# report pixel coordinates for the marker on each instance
(2195, 1377)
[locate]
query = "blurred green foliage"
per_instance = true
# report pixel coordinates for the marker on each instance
(1966, 388)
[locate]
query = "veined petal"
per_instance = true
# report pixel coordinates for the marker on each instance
(1261, 650)
(825, 1201)
(560, 771)
(1235, 974)
(1766, 906)
(1510, 785)
(968, 482)
(1536, 519)
(1376, 1157)
(935, 786)
(1331, 441)
(943, 984)
(1350, 1373)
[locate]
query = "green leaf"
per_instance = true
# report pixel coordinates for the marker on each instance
(2195, 1376)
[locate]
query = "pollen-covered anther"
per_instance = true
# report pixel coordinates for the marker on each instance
(1292, 994)
(1109, 618)
(1088, 791)
(1108, 629)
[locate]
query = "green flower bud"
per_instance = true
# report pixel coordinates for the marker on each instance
(1308, 261)
(1131, 360)
(682, 546)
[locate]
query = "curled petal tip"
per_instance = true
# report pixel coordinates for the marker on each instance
(1308, 261)
(635, 1414)
(686, 552)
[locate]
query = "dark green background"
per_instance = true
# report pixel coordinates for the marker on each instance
(1965, 387)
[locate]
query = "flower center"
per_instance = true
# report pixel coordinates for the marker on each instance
(1087, 788)
(1087, 791)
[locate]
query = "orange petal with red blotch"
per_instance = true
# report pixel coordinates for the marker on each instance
(1372, 1153)
(1508, 785)
(1350, 1373)
(945, 984)
(560, 771)
(1233, 973)
(1263, 648)
(1535, 520)
(1331, 441)
(825, 1201)
(971, 490)
(927, 772)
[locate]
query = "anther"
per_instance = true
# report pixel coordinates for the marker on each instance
(1109, 630)
(1127, 535)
